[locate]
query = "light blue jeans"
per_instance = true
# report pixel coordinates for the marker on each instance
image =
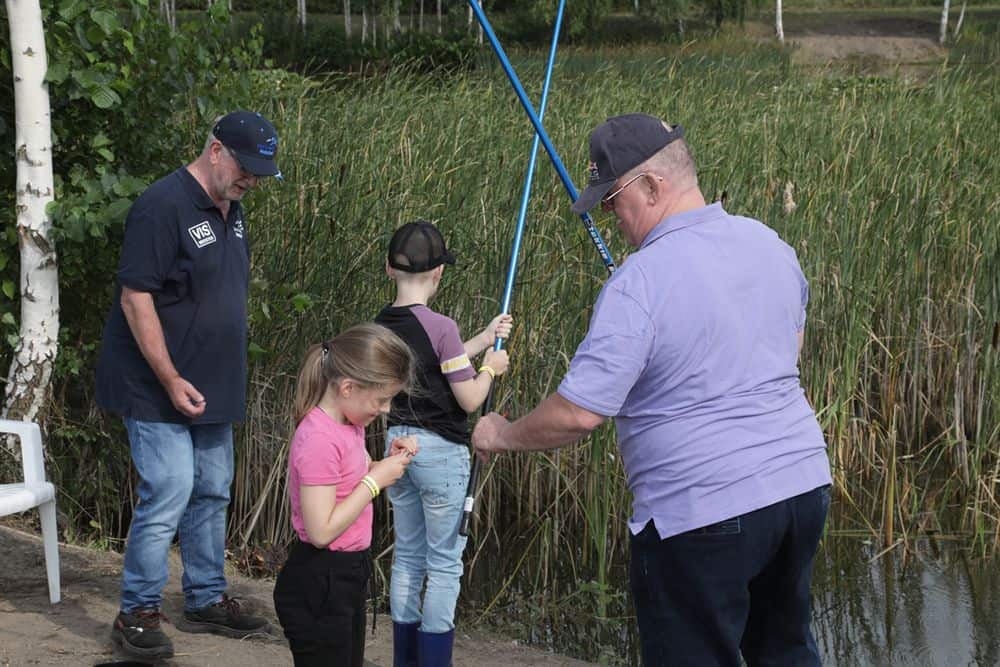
(427, 509)
(184, 477)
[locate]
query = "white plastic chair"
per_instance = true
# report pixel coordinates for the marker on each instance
(34, 492)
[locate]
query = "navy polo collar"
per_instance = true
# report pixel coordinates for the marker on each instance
(197, 193)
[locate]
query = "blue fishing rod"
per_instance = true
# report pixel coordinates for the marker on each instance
(567, 182)
(470, 494)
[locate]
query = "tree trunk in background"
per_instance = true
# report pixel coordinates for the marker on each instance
(480, 39)
(301, 14)
(31, 368)
(347, 18)
(439, 16)
(944, 22)
(961, 18)
(364, 22)
(779, 27)
(420, 23)
(168, 10)
(397, 26)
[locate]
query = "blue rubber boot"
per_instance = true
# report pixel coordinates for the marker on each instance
(404, 644)
(435, 648)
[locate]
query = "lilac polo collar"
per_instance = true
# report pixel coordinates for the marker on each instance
(682, 220)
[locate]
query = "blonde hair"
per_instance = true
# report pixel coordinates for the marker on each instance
(370, 354)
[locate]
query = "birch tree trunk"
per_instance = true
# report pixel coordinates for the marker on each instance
(479, 39)
(420, 23)
(300, 6)
(439, 16)
(961, 18)
(168, 10)
(347, 18)
(397, 26)
(364, 22)
(31, 367)
(944, 22)
(779, 27)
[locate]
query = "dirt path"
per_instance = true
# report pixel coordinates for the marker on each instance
(75, 632)
(880, 42)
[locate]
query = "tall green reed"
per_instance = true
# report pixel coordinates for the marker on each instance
(894, 221)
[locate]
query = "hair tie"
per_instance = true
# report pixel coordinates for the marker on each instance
(326, 348)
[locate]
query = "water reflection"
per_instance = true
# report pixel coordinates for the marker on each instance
(931, 604)
(934, 605)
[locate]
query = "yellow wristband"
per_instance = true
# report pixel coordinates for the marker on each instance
(372, 486)
(488, 369)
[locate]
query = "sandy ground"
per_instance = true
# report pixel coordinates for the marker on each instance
(890, 41)
(76, 631)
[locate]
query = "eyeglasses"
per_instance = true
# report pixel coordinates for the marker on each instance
(606, 201)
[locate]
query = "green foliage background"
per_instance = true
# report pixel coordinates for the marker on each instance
(895, 185)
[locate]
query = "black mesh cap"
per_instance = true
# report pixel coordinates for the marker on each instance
(417, 247)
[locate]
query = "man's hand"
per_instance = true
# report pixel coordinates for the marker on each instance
(488, 435)
(188, 400)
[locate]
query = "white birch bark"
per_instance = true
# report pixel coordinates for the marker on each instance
(439, 16)
(347, 18)
(300, 7)
(779, 27)
(944, 22)
(480, 38)
(31, 367)
(168, 10)
(961, 18)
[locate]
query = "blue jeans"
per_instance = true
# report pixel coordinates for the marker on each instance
(740, 586)
(427, 509)
(184, 477)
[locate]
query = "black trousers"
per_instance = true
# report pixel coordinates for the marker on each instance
(740, 586)
(320, 601)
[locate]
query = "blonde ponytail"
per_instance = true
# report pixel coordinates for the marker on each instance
(370, 354)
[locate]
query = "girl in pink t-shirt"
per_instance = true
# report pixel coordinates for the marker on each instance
(344, 384)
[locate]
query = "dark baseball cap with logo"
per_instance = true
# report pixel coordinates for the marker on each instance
(252, 140)
(417, 247)
(618, 145)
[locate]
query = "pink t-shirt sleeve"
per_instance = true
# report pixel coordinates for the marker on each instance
(317, 462)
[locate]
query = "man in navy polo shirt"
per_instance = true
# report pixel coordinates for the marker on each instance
(693, 349)
(173, 365)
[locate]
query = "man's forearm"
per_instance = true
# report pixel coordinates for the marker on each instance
(554, 423)
(140, 313)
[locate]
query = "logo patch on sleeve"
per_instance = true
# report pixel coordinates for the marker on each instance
(202, 233)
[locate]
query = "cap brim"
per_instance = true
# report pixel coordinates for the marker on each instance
(258, 166)
(591, 197)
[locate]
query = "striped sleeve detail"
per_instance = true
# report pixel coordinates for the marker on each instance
(455, 364)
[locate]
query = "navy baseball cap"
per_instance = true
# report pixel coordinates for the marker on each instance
(252, 140)
(417, 247)
(618, 145)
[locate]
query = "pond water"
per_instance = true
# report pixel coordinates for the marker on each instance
(933, 605)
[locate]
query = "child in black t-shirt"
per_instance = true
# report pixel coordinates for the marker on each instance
(428, 500)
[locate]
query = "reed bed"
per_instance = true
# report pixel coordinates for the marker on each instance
(887, 188)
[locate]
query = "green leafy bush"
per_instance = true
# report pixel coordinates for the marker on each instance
(130, 101)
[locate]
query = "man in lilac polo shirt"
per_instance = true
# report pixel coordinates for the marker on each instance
(693, 349)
